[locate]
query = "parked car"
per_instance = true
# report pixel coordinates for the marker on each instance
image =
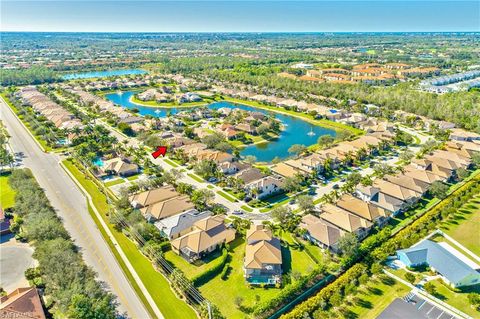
(336, 186)
(238, 212)
(212, 180)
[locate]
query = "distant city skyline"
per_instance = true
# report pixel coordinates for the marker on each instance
(240, 16)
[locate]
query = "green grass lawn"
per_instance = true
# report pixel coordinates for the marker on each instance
(294, 259)
(7, 194)
(458, 300)
(195, 177)
(170, 162)
(115, 182)
(223, 292)
(226, 196)
(246, 208)
(132, 178)
(192, 270)
(376, 296)
(155, 283)
(465, 224)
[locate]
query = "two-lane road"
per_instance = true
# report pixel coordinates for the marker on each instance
(71, 206)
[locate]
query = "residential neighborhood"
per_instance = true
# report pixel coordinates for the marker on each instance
(284, 173)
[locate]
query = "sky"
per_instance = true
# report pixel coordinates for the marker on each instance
(239, 16)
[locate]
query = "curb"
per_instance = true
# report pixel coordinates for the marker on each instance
(23, 124)
(115, 243)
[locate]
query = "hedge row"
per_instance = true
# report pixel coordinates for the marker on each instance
(429, 221)
(323, 297)
(288, 293)
(405, 238)
(70, 285)
(212, 271)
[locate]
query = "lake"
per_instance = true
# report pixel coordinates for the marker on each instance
(102, 74)
(296, 130)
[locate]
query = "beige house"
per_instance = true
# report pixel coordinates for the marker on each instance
(160, 203)
(207, 235)
(153, 196)
(167, 208)
(263, 257)
(321, 233)
(372, 213)
(120, 167)
(345, 220)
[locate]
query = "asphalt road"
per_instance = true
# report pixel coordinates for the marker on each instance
(71, 206)
(15, 258)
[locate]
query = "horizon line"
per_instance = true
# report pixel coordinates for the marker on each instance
(253, 32)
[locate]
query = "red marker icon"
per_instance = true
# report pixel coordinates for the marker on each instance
(161, 150)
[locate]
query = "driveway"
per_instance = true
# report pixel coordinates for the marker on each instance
(15, 258)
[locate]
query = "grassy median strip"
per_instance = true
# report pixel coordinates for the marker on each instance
(195, 177)
(226, 196)
(156, 284)
(246, 208)
(170, 162)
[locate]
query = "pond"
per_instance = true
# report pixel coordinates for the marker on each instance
(296, 130)
(102, 74)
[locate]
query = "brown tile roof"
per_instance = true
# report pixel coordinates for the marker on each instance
(360, 208)
(154, 196)
(168, 207)
(321, 230)
(408, 182)
(343, 219)
(22, 303)
(395, 190)
(262, 248)
(421, 174)
(258, 232)
(208, 232)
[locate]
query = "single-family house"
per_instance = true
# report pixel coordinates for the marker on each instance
(180, 224)
(263, 256)
(207, 235)
(321, 232)
(152, 196)
(356, 206)
(166, 208)
(345, 220)
(374, 196)
(264, 187)
(119, 167)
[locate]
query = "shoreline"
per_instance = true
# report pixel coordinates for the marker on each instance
(333, 125)
(133, 100)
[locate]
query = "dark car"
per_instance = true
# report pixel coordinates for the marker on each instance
(335, 186)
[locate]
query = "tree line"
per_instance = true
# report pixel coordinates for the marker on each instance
(70, 286)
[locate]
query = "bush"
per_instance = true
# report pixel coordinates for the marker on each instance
(322, 298)
(214, 270)
(60, 266)
(225, 271)
(288, 293)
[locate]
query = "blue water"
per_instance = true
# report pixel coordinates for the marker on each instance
(295, 132)
(101, 74)
(98, 162)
